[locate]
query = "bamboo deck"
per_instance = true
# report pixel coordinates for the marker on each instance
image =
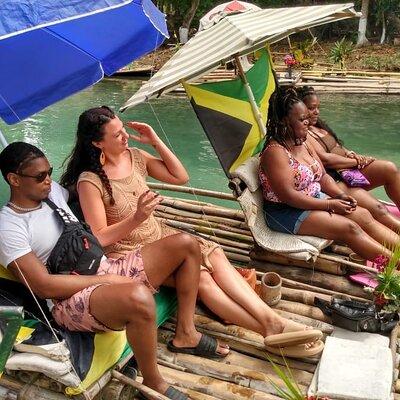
(245, 373)
(324, 79)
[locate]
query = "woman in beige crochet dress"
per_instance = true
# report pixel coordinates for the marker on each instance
(116, 202)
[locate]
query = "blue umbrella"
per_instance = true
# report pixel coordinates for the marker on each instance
(50, 49)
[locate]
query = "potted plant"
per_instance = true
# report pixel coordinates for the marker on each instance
(289, 61)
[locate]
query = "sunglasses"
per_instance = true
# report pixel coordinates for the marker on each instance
(39, 177)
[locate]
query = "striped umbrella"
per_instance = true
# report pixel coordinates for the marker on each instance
(236, 35)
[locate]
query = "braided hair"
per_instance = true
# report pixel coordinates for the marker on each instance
(308, 91)
(280, 104)
(85, 156)
(16, 156)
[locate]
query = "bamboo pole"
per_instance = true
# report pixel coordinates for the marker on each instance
(353, 265)
(233, 358)
(237, 257)
(212, 386)
(194, 395)
(212, 218)
(303, 309)
(329, 266)
(342, 250)
(227, 242)
(207, 230)
(318, 290)
(148, 392)
(191, 190)
(217, 211)
(203, 222)
(324, 327)
(321, 279)
(393, 344)
(225, 371)
(233, 250)
(302, 296)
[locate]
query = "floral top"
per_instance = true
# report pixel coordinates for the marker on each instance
(306, 177)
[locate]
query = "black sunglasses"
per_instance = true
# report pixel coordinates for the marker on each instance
(39, 177)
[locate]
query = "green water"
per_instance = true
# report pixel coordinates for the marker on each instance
(367, 124)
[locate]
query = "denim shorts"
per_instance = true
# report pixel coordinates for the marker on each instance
(284, 218)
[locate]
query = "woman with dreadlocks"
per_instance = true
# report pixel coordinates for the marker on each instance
(118, 205)
(336, 157)
(299, 197)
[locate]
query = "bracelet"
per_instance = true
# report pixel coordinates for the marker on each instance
(328, 208)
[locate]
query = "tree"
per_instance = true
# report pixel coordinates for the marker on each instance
(362, 26)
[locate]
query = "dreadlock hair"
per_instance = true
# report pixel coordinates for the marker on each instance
(280, 104)
(306, 92)
(17, 156)
(85, 156)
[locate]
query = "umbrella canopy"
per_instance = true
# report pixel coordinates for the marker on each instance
(236, 35)
(50, 49)
(220, 11)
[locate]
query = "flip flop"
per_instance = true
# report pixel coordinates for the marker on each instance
(299, 351)
(207, 347)
(287, 339)
(171, 393)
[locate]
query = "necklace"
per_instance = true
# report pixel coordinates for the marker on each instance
(24, 209)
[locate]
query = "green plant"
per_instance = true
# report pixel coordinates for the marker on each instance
(292, 391)
(340, 52)
(301, 52)
(387, 293)
(383, 63)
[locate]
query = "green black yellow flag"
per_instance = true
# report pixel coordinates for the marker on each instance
(225, 113)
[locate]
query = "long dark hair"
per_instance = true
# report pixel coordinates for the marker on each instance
(85, 156)
(280, 104)
(308, 91)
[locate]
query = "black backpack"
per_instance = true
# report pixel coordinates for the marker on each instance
(77, 251)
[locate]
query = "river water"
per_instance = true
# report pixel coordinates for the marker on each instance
(368, 124)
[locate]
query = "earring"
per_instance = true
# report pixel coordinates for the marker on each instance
(102, 158)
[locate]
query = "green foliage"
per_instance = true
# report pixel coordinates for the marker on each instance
(301, 52)
(340, 52)
(389, 282)
(383, 63)
(292, 390)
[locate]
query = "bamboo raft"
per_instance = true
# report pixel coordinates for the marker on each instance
(245, 373)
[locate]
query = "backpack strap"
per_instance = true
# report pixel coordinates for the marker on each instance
(66, 218)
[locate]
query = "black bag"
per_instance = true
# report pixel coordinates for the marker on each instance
(77, 251)
(357, 316)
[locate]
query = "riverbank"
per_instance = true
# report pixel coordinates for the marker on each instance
(373, 58)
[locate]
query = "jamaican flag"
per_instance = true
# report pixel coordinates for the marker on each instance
(225, 113)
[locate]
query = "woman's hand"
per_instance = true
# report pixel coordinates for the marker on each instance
(146, 204)
(341, 207)
(348, 198)
(145, 131)
(366, 161)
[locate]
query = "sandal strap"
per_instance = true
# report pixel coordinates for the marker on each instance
(207, 345)
(175, 394)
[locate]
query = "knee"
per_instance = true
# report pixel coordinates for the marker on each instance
(391, 168)
(379, 210)
(189, 243)
(206, 283)
(364, 217)
(351, 229)
(139, 303)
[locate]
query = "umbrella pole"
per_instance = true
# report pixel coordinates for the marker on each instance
(252, 100)
(3, 140)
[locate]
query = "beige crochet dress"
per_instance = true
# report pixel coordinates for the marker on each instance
(126, 192)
